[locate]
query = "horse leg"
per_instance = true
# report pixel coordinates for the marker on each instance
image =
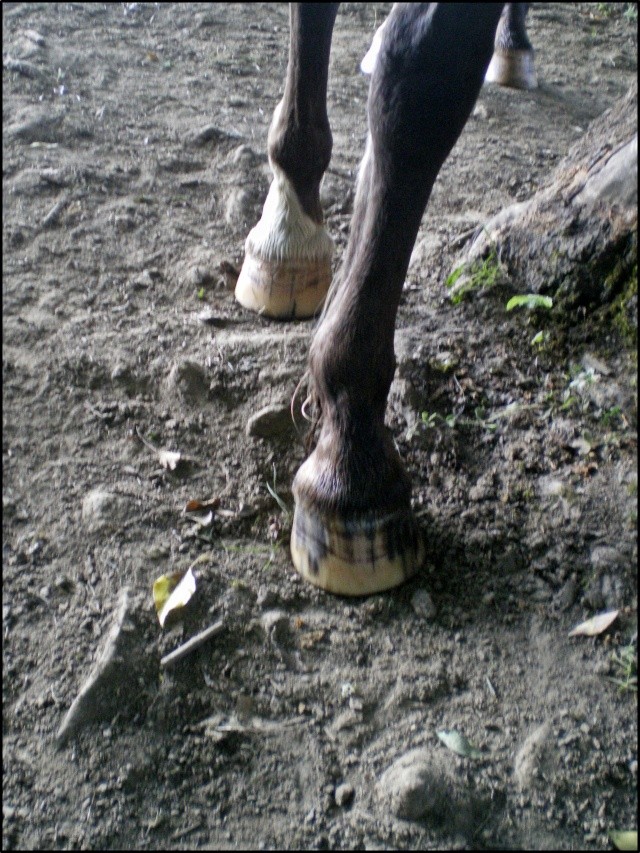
(512, 61)
(287, 267)
(354, 532)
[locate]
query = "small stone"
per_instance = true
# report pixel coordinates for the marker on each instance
(271, 620)
(266, 597)
(270, 422)
(419, 786)
(605, 557)
(567, 594)
(189, 381)
(102, 508)
(423, 605)
(344, 794)
(533, 755)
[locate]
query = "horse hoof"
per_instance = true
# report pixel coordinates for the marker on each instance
(513, 68)
(288, 289)
(360, 556)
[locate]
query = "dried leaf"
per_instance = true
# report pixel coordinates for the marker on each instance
(203, 520)
(172, 591)
(312, 638)
(624, 840)
(596, 625)
(199, 506)
(459, 744)
(168, 459)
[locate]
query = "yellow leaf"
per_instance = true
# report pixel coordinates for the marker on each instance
(625, 840)
(172, 591)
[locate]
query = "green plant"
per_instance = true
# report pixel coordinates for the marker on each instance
(274, 494)
(530, 301)
(625, 665)
(435, 418)
(431, 420)
(604, 9)
(480, 275)
(610, 415)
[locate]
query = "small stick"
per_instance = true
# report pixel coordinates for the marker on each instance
(190, 645)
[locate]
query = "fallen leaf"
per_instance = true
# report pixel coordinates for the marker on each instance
(624, 840)
(168, 459)
(459, 744)
(311, 638)
(203, 520)
(596, 625)
(172, 591)
(199, 506)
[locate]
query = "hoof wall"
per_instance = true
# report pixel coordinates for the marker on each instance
(356, 557)
(513, 68)
(291, 289)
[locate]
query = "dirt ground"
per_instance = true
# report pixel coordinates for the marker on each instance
(133, 167)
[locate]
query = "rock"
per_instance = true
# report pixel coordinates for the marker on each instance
(423, 605)
(101, 508)
(270, 422)
(419, 786)
(272, 620)
(567, 594)
(189, 380)
(344, 794)
(266, 597)
(534, 756)
(101, 695)
(605, 557)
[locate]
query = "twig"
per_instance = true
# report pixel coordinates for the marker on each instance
(192, 644)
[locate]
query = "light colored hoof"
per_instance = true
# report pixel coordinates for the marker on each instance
(361, 556)
(512, 68)
(289, 289)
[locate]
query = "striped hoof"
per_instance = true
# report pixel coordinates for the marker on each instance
(359, 556)
(513, 68)
(287, 267)
(288, 289)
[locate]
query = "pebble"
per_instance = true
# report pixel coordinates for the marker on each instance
(344, 794)
(270, 422)
(418, 786)
(104, 680)
(532, 755)
(189, 381)
(423, 605)
(101, 508)
(266, 597)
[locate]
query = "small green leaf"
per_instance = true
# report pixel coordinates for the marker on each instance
(537, 339)
(624, 840)
(455, 275)
(529, 300)
(459, 744)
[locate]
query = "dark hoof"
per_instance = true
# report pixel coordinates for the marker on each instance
(512, 68)
(358, 556)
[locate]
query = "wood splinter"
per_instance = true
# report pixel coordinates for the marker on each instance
(192, 644)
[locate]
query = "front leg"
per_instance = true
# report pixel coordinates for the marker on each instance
(287, 267)
(354, 532)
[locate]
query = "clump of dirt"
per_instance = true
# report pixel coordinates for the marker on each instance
(133, 158)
